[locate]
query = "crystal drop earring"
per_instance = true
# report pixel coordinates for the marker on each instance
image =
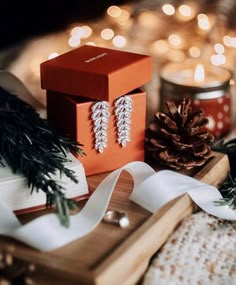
(100, 116)
(123, 109)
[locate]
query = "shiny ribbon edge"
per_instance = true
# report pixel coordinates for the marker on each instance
(151, 191)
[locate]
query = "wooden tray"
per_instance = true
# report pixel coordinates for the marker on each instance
(109, 254)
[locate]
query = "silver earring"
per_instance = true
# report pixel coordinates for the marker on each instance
(100, 117)
(123, 109)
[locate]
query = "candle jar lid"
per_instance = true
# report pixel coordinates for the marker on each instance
(178, 78)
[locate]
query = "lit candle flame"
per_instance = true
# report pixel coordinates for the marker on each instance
(199, 73)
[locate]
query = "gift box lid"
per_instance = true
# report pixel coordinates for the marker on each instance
(96, 72)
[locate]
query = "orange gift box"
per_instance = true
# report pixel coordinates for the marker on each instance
(72, 115)
(95, 72)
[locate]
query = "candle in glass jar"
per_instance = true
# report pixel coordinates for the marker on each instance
(207, 86)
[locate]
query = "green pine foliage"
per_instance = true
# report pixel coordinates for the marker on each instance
(33, 148)
(228, 188)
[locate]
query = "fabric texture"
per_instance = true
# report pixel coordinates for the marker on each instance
(201, 251)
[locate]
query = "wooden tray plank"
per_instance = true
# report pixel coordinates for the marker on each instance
(109, 253)
(155, 231)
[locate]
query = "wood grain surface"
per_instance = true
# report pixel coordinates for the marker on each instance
(109, 254)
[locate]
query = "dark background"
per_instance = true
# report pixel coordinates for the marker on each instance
(20, 20)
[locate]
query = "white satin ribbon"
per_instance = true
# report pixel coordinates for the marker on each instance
(151, 191)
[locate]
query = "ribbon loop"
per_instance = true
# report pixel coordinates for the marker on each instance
(151, 191)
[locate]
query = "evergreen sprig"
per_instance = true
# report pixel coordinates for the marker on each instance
(229, 148)
(33, 148)
(228, 188)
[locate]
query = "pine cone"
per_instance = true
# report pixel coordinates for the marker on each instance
(176, 138)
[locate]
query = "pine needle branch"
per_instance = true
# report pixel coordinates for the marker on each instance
(33, 148)
(229, 148)
(228, 190)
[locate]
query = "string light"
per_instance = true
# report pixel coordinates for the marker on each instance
(219, 48)
(82, 32)
(114, 11)
(74, 42)
(194, 52)
(87, 32)
(126, 24)
(77, 32)
(185, 10)
(107, 34)
(168, 9)
(233, 42)
(148, 19)
(124, 16)
(119, 41)
(175, 40)
(145, 30)
(53, 55)
(218, 59)
(203, 22)
(159, 47)
(227, 41)
(90, 43)
(176, 55)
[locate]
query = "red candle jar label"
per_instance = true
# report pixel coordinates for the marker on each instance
(212, 94)
(218, 112)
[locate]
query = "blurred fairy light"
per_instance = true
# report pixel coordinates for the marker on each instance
(120, 16)
(81, 32)
(124, 20)
(203, 22)
(166, 32)
(169, 33)
(148, 19)
(77, 32)
(126, 24)
(176, 55)
(53, 55)
(168, 9)
(233, 42)
(218, 59)
(194, 52)
(124, 15)
(232, 82)
(74, 42)
(119, 41)
(175, 40)
(227, 41)
(114, 11)
(185, 10)
(219, 48)
(87, 32)
(90, 43)
(159, 47)
(107, 34)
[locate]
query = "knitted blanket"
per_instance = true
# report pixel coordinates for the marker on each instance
(201, 251)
